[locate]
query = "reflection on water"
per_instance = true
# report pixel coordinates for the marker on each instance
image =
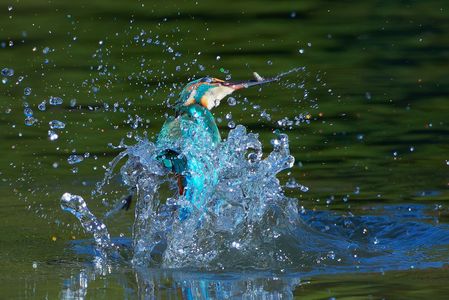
(157, 284)
(393, 238)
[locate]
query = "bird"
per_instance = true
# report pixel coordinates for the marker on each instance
(193, 127)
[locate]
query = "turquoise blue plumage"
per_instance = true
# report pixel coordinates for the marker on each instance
(187, 140)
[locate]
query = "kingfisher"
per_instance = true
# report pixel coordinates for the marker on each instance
(191, 129)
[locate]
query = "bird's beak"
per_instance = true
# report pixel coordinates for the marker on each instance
(248, 83)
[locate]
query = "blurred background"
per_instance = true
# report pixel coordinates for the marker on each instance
(367, 117)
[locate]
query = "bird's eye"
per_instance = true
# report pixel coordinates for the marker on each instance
(206, 79)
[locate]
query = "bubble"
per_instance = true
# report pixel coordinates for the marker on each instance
(27, 91)
(55, 101)
(232, 101)
(55, 124)
(75, 159)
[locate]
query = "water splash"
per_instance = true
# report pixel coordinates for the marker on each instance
(77, 206)
(245, 222)
(243, 212)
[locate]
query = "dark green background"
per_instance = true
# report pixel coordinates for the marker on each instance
(383, 70)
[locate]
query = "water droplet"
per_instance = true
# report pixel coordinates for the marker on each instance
(232, 101)
(231, 124)
(269, 62)
(301, 51)
(52, 136)
(236, 245)
(55, 101)
(55, 124)
(29, 121)
(304, 189)
(46, 50)
(72, 103)
(27, 91)
(42, 106)
(368, 96)
(28, 112)
(218, 57)
(75, 159)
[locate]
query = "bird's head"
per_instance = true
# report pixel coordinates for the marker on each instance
(208, 91)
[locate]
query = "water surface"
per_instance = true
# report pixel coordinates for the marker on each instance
(375, 147)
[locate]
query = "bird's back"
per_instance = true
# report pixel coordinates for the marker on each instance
(187, 143)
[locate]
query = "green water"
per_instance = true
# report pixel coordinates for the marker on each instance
(383, 89)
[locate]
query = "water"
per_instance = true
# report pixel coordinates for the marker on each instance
(245, 215)
(370, 93)
(254, 241)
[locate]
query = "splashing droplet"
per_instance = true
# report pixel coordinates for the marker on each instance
(232, 101)
(75, 159)
(55, 101)
(52, 136)
(55, 124)
(29, 121)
